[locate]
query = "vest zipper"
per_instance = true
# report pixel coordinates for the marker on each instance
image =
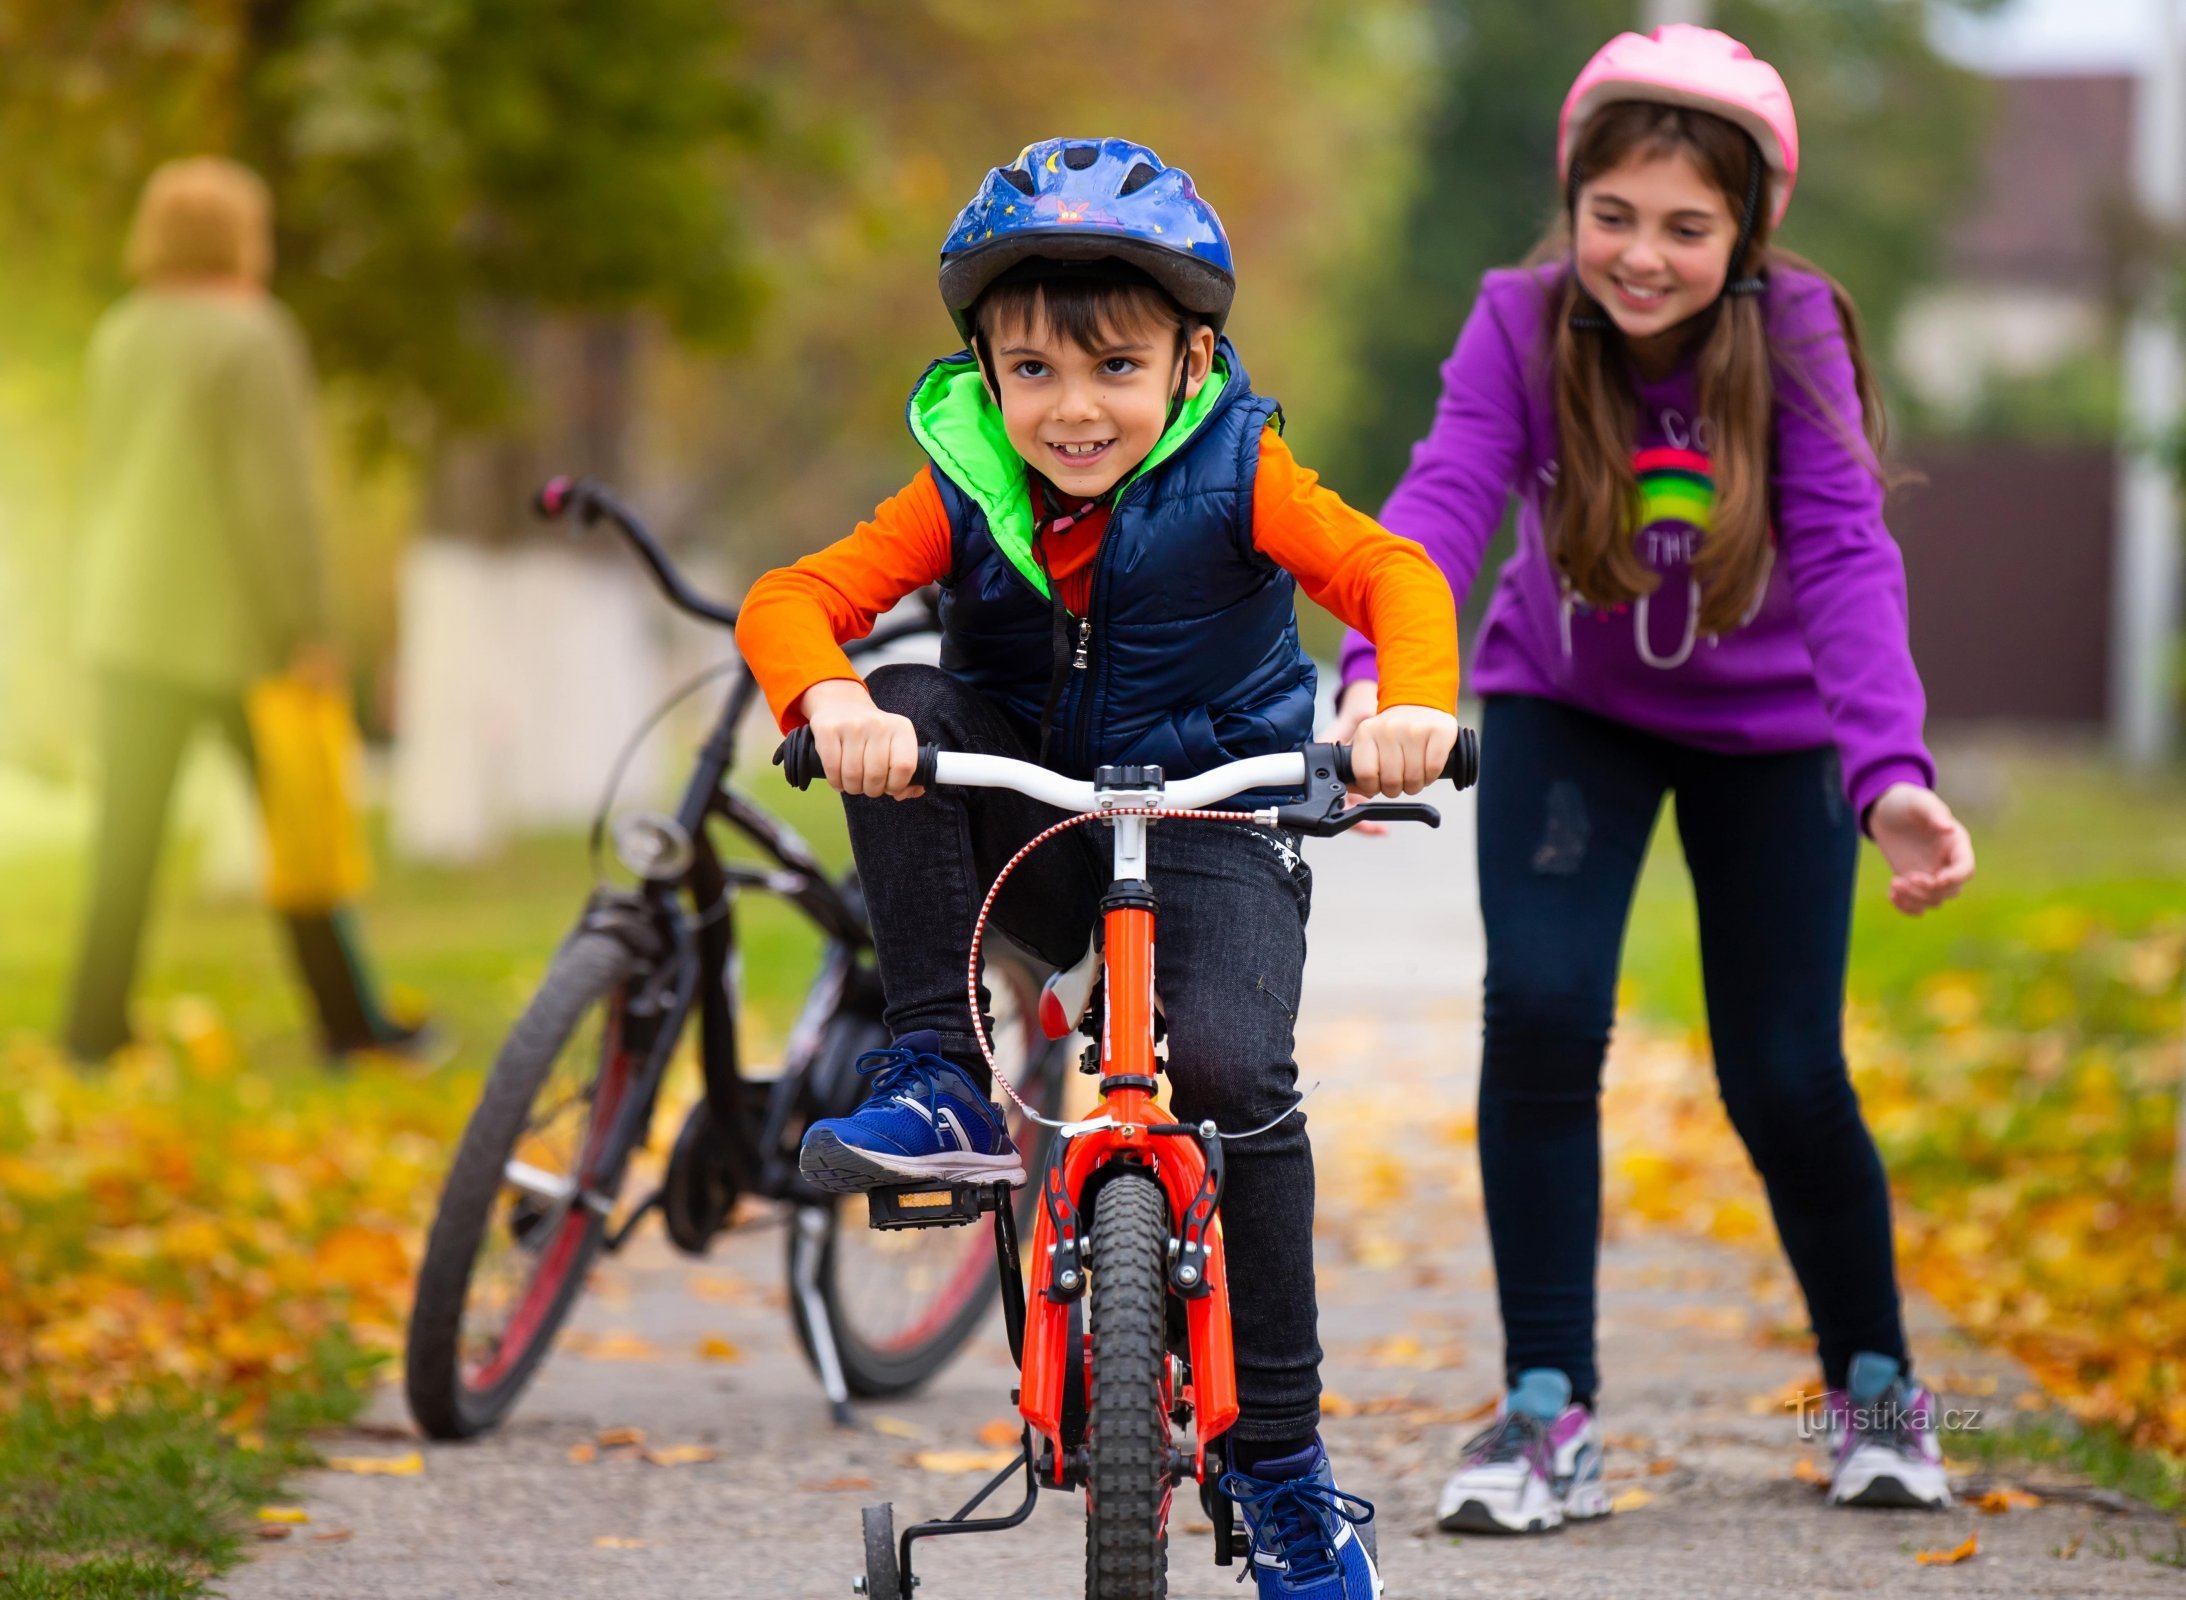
(1085, 637)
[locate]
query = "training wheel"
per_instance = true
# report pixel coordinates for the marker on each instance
(882, 1579)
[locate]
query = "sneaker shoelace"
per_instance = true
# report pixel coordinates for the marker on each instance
(1511, 1437)
(898, 1068)
(1900, 1431)
(1304, 1515)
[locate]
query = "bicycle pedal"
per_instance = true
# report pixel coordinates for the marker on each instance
(914, 1205)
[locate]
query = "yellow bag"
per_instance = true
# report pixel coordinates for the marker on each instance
(308, 749)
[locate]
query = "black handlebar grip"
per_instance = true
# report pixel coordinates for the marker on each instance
(1462, 769)
(799, 758)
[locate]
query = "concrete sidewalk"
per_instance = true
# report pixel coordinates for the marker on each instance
(1701, 1447)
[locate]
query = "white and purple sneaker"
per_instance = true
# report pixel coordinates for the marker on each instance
(1884, 1447)
(1536, 1467)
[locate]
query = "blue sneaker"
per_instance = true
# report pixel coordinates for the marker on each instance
(923, 1121)
(1306, 1543)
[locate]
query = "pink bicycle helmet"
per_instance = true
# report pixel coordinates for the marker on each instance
(1681, 65)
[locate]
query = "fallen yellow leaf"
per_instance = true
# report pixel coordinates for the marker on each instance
(963, 1460)
(715, 1348)
(894, 1427)
(1335, 1405)
(408, 1466)
(617, 1347)
(283, 1514)
(1631, 1500)
(608, 1541)
(1997, 1501)
(610, 1438)
(841, 1485)
(1001, 1431)
(334, 1536)
(582, 1454)
(720, 1288)
(1806, 1471)
(682, 1455)
(274, 1530)
(1660, 1466)
(1951, 1557)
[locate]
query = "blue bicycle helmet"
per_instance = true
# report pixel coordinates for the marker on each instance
(1090, 200)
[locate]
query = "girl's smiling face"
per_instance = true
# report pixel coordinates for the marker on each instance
(1652, 237)
(1084, 416)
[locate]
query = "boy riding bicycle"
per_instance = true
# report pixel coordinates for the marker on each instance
(1117, 529)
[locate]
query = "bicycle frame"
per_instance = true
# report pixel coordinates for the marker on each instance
(1141, 1132)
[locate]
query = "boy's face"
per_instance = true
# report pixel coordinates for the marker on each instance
(1087, 418)
(1653, 239)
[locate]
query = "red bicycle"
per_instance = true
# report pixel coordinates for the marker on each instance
(1125, 1339)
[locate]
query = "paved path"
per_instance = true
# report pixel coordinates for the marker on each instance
(1391, 1027)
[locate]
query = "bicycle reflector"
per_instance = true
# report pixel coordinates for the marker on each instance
(652, 845)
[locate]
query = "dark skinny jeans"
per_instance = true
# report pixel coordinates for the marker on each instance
(1567, 801)
(1229, 958)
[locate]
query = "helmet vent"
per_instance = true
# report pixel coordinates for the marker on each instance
(1017, 178)
(1138, 178)
(1080, 156)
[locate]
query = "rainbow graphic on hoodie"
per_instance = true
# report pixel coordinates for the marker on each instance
(1675, 486)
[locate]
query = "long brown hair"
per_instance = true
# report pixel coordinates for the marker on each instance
(1590, 534)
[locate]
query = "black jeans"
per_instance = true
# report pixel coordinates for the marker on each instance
(1230, 954)
(143, 728)
(1567, 801)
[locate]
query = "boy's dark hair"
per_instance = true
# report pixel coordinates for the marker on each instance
(1089, 303)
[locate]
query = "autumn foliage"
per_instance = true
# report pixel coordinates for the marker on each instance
(181, 1218)
(2027, 1112)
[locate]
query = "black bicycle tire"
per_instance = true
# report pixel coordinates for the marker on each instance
(588, 969)
(870, 1374)
(1127, 1426)
(883, 1571)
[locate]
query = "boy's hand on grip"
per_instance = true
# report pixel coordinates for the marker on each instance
(1402, 750)
(863, 749)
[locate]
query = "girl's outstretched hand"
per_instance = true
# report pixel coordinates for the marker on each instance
(1929, 850)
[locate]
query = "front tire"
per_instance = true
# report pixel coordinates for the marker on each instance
(1127, 1425)
(570, 1058)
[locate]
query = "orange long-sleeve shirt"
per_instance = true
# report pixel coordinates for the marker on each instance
(795, 619)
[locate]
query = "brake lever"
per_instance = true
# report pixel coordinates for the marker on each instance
(1379, 811)
(1323, 813)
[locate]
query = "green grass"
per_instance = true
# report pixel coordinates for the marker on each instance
(2047, 832)
(150, 1500)
(2076, 861)
(2098, 1454)
(155, 1498)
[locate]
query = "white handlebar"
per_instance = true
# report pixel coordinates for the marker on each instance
(1285, 771)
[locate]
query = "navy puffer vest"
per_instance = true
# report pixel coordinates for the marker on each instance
(1193, 656)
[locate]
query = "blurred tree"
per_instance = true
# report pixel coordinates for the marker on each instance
(1888, 138)
(1294, 118)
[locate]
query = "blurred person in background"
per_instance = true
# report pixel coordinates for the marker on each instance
(202, 568)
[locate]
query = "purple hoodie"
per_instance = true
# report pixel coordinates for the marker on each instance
(1823, 658)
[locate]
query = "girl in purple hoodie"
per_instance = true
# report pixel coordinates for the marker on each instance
(1704, 603)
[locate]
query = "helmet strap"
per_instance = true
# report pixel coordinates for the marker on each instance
(1748, 283)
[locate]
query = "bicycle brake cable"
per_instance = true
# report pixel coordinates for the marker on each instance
(979, 935)
(596, 837)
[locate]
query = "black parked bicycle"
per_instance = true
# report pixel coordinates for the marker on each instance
(534, 1192)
